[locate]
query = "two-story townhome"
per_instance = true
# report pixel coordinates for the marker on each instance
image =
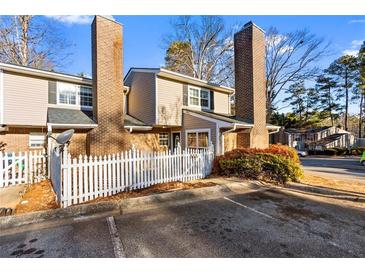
(151, 108)
(182, 110)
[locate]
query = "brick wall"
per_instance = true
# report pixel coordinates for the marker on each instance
(107, 69)
(17, 139)
(250, 84)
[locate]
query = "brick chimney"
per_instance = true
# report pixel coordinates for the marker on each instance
(107, 72)
(250, 83)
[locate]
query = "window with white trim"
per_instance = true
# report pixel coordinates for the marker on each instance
(163, 138)
(74, 95)
(37, 140)
(199, 97)
(198, 139)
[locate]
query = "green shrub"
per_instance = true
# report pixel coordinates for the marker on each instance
(276, 164)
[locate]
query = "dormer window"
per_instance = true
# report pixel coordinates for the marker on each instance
(199, 97)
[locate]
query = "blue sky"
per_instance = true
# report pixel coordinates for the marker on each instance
(143, 45)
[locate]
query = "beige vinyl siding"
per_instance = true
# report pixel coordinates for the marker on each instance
(192, 122)
(25, 100)
(221, 103)
(141, 97)
(170, 102)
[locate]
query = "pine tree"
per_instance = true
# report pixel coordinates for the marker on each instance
(361, 87)
(297, 99)
(325, 86)
(344, 72)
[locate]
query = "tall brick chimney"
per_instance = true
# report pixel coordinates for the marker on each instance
(250, 82)
(107, 73)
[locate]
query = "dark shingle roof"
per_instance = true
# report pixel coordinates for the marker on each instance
(69, 116)
(328, 139)
(306, 130)
(222, 117)
(131, 121)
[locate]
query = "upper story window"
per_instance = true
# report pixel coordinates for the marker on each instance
(74, 95)
(199, 97)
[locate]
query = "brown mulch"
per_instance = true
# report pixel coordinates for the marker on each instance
(340, 184)
(155, 189)
(37, 197)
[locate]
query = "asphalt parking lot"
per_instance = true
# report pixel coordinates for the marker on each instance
(263, 223)
(335, 168)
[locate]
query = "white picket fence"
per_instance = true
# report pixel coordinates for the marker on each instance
(86, 178)
(22, 167)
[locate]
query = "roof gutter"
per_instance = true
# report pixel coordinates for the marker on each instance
(140, 128)
(275, 129)
(82, 126)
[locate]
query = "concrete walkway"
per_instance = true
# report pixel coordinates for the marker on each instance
(10, 196)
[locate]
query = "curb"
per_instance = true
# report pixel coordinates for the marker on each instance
(123, 206)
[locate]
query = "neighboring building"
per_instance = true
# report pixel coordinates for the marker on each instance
(319, 138)
(152, 108)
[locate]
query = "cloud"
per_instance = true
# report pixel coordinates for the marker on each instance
(72, 19)
(357, 43)
(354, 49)
(353, 52)
(359, 21)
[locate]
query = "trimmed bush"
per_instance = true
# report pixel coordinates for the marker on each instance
(277, 164)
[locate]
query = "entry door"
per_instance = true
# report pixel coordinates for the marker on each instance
(176, 139)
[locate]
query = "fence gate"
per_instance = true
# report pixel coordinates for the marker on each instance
(55, 156)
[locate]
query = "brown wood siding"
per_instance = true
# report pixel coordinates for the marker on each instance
(141, 97)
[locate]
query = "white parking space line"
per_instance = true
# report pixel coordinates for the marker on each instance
(249, 208)
(117, 243)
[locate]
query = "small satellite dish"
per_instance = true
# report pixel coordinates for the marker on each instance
(65, 137)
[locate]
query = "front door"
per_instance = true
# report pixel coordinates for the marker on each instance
(176, 139)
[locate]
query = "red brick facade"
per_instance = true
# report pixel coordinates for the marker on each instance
(250, 84)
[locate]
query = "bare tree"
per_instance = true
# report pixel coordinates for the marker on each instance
(30, 41)
(203, 48)
(290, 58)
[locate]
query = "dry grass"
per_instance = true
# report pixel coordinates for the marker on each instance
(155, 189)
(37, 197)
(341, 185)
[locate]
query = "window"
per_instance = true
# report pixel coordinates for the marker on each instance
(199, 97)
(86, 97)
(198, 139)
(71, 94)
(164, 139)
(67, 93)
(194, 97)
(37, 140)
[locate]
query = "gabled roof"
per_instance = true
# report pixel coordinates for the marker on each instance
(306, 130)
(45, 73)
(328, 139)
(221, 117)
(180, 77)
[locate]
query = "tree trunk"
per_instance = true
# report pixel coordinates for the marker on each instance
(330, 106)
(24, 22)
(346, 99)
(361, 114)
